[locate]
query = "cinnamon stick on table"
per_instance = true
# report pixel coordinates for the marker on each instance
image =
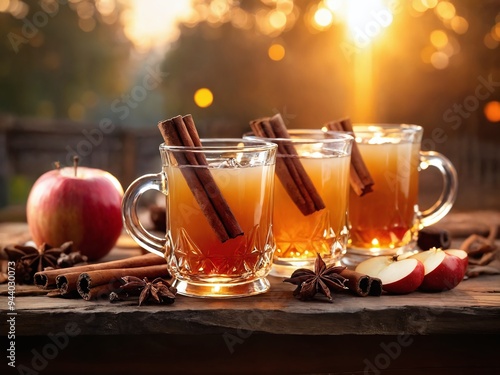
(93, 284)
(47, 279)
(360, 179)
(289, 169)
(181, 131)
(361, 284)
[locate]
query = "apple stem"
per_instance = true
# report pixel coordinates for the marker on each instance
(75, 164)
(57, 165)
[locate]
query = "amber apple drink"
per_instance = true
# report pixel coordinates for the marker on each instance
(385, 218)
(194, 251)
(386, 221)
(299, 238)
(219, 207)
(310, 196)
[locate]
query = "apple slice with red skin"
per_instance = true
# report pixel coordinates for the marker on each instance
(397, 276)
(443, 269)
(464, 257)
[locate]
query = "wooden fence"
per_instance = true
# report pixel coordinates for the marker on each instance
(29, 148)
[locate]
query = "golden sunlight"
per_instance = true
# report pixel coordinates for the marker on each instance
(153, 23)
(366, 18)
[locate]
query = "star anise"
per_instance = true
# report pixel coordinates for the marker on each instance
(30, 259)
(71, 259)
(159, 290)
(322, 280)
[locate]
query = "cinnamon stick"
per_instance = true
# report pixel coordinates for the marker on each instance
(47, 279)
(360, 179)
(361, 284)
(110, 278)
(433, 237)
(181, 131)
(289, 168)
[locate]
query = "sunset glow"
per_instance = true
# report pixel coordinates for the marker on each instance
(154, 23)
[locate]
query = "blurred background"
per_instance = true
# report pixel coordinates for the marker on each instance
(93, 78)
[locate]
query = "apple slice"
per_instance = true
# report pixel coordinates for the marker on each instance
(443, 270)
(397, 276)
(464, 257)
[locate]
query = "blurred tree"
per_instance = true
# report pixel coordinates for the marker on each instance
(59, 57)
(399, 77)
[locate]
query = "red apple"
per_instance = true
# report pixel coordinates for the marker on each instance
(76, 204)
(443, 270)
(398, 276)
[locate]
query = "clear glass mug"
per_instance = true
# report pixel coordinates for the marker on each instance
(387, 220)
(299, 238)
(201, 262)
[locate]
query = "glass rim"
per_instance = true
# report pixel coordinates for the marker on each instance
(217, 144)
(386, 128)
(340, 137)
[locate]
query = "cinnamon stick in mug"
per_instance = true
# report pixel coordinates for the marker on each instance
(181, 131)
(289, 169)
(360, 178)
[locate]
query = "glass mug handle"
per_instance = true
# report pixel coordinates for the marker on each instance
(131, 222)
(450, 185)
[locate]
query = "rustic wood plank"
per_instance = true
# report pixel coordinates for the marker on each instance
(473, 307)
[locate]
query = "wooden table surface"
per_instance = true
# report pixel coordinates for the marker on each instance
(454, 332)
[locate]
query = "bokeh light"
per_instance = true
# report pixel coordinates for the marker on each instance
(445, 10)
(277, 19)
(439, 39)
(323, 17)
(492, 111)
(490, 42)
(439, 60)
(459, 25)
(276, 52)
(203, 97)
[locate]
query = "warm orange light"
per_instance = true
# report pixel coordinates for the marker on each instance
(277, 19)
(276, 52)
(439, 60)
(445, 10)
(495, 32)
(203, 97)
(4, 5)
(333, 5)
(285, 6)
(87, 25)
(459, 25)
(430, 3)
(105, 7)
(323, 17)
(492, 111)
(153, 23)
(367, 19)
(439, 39)
(490, 42)
(419, 6)
(426, 54)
